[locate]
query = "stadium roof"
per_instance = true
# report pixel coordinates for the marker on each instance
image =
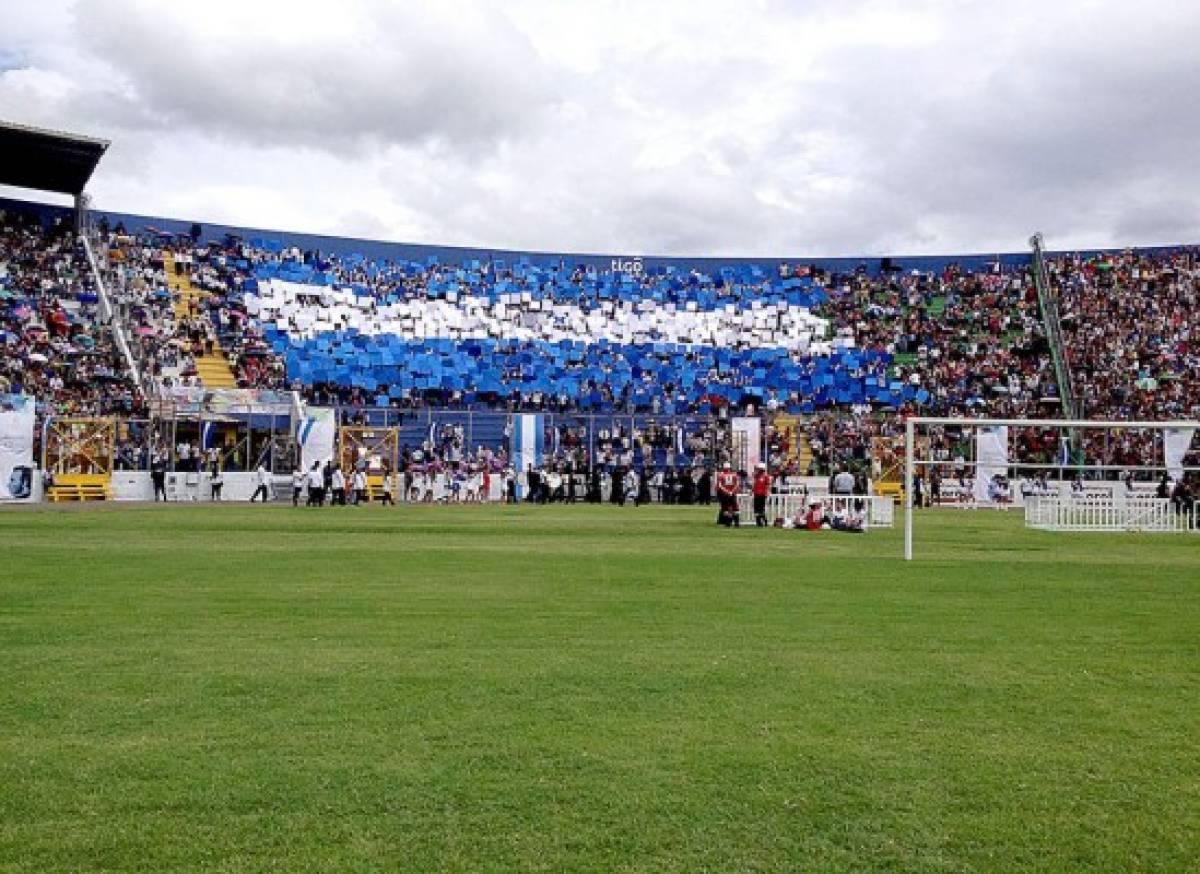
(47, 160)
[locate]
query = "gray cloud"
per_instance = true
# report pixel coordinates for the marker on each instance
(408, 73)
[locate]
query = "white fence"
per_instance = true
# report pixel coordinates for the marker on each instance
(881, 511)
(1096, 513)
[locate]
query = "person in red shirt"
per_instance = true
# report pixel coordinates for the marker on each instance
(762, 488)
(727, 492)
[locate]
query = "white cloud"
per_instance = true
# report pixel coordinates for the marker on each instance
(723, 128)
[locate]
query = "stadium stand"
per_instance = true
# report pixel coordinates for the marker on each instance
(1131, 332)
(55, 345)
(834, 356)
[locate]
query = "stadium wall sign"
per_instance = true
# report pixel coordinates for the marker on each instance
(16, 448)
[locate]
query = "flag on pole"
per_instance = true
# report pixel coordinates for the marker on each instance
(527, 446)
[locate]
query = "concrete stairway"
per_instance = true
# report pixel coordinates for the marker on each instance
(803, 451)
(799, 449)
(214, 370)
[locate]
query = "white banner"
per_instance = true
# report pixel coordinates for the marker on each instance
(747, 441)
(991, 457)
(315, 433)
(1176, 442)
(16, 448)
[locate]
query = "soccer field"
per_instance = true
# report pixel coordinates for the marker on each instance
(591, 689)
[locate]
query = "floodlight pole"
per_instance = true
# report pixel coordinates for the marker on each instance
(908, 488)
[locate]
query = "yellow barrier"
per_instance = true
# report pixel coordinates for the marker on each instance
(80, 487)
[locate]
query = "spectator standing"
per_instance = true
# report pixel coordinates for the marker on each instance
(510, 486)
(633, 487)
(727, 491)
(842, 483)
(761, 488)
(262, 480)
(316, 486)
(337, 481)
(158, 475)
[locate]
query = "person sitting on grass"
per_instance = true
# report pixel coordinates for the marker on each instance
(851, 519)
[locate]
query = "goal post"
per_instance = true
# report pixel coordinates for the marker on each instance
(1168, 452)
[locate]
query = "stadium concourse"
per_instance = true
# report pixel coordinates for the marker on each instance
(633, 365)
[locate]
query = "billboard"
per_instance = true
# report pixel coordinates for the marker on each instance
(16, 448)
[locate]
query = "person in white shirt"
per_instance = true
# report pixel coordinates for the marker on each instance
(260, 477)
(385, 496)
(842, 483)
(510, 485)
(316, 486)
(360, 487)
(298, 480)
(656, 483)
(339, 487)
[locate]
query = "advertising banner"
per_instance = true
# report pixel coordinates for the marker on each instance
(316, 434)
(16, 448)
(1176, 442)
(747, 442)
(991, 457)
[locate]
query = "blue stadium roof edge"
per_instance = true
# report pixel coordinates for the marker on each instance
(421, 251)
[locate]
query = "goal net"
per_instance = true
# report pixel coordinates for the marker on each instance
(1065, 475)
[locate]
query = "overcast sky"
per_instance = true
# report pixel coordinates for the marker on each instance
(750, 127)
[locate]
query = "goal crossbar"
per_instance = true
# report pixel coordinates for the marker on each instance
(913, 422)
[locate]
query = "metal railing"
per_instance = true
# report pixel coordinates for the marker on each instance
(880, 511)
(1107, 513)
(110, 314)
(1052, 321)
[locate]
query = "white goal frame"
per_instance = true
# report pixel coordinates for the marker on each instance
(914, 422)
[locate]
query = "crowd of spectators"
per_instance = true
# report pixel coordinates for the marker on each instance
(1130, 326)
(168, 335)
(970, 340)
(952, 341)
(54, 345)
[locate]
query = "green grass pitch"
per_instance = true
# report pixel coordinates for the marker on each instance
(591, 689)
